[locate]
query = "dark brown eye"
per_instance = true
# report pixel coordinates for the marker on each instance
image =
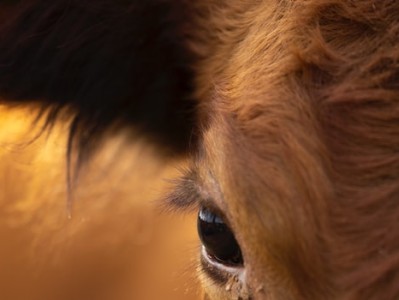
(218, 239)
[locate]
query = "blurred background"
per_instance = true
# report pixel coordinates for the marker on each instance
(117, 244)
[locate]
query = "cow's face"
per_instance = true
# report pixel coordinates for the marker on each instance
(259, 178)
(260, 213)
(293, 178)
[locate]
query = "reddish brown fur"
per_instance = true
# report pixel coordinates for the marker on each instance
(302, 140)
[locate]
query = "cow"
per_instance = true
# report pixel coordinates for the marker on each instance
(295, 176)
(288, 112)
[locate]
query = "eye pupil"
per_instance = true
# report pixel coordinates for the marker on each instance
(218, 239)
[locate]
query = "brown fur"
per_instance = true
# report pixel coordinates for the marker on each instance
(302, 140)
(299, 146)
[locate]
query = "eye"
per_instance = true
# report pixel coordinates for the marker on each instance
(218, 239)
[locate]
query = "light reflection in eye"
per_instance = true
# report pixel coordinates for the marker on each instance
(218, 239)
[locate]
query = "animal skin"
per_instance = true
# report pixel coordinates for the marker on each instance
(287, 111)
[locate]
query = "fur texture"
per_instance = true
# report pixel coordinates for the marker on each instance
(302, 144)
(297, 111)
(108, 63)
(104, 75)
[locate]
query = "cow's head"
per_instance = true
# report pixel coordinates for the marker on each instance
(295, 175)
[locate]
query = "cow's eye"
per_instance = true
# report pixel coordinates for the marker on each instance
(218, 239)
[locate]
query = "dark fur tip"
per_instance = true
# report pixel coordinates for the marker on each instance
(109, 61)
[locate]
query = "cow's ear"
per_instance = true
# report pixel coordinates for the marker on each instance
(109, 62)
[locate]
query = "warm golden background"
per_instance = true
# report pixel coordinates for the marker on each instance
(117, 245)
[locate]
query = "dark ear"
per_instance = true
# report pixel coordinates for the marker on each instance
(110, 62)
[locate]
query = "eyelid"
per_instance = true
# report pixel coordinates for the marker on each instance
(187, 195)
(210, 205)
